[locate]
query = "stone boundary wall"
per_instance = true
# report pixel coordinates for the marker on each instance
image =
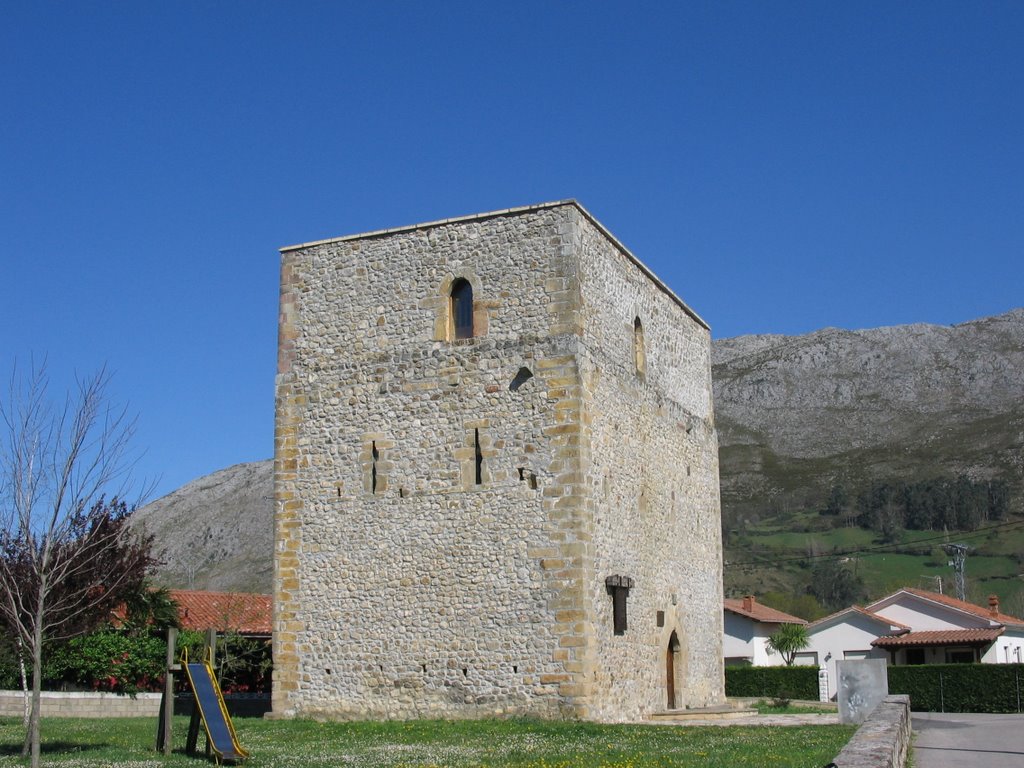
(83, 704)
(883, 740)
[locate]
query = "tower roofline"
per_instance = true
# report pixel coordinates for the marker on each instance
(512, 212)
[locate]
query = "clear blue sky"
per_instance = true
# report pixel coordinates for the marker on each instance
(782, 166)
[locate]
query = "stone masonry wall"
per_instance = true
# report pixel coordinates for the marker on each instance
(653, 488)
(436, 545)
(412, 589)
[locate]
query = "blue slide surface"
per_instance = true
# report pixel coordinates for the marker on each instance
(216, 720)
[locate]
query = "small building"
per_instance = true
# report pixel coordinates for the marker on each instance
(945, 630)
(747, 626)
(915, 626)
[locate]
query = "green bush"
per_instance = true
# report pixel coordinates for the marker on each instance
(243, 663)
(106, 661)
(960, 687)
(772, 682)
(10, 674)
(128, 662)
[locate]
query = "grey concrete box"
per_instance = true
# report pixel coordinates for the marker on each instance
(863, 683)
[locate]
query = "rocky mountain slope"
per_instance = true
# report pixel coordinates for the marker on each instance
(795, 414)
(216, 532)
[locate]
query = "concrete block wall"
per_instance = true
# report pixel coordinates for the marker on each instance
(83, 704)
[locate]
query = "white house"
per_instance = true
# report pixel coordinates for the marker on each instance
(748, 625)
(847, 634)
(914, 626)
(945, 630)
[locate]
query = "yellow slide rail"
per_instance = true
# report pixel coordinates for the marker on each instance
(214, 712)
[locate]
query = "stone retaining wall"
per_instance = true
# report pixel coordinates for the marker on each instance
(83, 704)
(883, 740)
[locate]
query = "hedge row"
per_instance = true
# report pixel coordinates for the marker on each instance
(932, 688)
(960, 687)
(782, 682)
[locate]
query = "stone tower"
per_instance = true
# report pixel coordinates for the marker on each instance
(496, 477)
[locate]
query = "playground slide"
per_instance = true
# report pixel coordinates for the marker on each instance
(216, 720)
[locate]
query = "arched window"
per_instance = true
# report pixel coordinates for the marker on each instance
(639, 356)
(462, 309)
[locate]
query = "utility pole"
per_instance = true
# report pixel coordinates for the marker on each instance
(959, 554)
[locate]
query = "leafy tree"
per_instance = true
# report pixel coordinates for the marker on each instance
(998, 499)
(939, 503)
(805, 606)
(835, 585)
(243, 664)
(150, 609)
(788, 641)
(66, 555)
(837, 500)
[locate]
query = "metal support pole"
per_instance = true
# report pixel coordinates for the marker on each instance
(959, 554)
(942, 697)
(164, 740)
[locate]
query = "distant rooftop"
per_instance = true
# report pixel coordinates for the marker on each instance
(991, 613)
(243, 612)
(981, 636)
(749, 607)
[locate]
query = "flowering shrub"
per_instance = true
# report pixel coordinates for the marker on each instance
(127, 662)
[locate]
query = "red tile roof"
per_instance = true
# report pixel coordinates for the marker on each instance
(952, 602)
(754, 610)
(243, 612)
(940, 637)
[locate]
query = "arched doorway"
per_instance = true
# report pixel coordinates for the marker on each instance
(671, 652)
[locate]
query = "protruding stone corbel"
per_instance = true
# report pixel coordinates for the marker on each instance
(618, 587)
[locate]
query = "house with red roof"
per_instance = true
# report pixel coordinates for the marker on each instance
(243, 612)
(945, 630)
(747, 626)
(915, 626)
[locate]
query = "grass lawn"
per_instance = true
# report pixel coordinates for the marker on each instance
(541, 744)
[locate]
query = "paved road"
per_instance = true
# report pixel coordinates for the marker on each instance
(968, 741)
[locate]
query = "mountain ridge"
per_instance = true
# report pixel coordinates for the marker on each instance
(795, 414)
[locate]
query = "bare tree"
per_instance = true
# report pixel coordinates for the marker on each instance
(63, 549)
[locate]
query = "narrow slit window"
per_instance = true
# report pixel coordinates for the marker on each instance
(639, 354)
(462, 309)
(479, 457)
(374, 455)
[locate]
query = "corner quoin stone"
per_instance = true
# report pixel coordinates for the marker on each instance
(445, 523)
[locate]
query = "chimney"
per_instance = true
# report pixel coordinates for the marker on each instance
(748, 603)
(993, 605)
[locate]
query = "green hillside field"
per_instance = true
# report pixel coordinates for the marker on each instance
(779, 555)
